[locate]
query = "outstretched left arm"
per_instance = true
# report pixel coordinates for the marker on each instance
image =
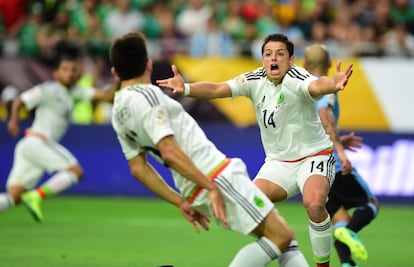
(327, 85)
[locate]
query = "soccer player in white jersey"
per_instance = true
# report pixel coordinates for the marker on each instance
(208, 184)
(298, 151)
(349, 190)
(39, 150)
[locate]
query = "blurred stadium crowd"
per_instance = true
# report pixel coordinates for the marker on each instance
(31, 29)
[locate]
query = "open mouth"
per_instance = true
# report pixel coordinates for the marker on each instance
(274, 67)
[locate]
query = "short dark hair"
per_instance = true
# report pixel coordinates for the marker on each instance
(129, 56)
(278, 37)
(65, 51)
(63, 57)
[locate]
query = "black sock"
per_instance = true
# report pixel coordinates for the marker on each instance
(361, 217)
(344, 254)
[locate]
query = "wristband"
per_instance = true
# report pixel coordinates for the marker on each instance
(186, 89)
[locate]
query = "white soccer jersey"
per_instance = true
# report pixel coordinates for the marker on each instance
(143, 115)
(289, 124)
(54, 104)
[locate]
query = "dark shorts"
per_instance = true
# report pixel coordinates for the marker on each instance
(348, 191)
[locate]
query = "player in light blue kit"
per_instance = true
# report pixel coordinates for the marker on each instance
(39, 150)
(349, 190)
(147, 121)
(298, 151)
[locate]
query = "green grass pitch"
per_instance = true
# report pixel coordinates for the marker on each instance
(121, 232)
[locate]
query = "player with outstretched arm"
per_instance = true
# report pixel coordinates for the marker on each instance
(209, 184)
(298, 151)
(349, 190)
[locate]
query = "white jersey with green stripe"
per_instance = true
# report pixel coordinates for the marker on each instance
(289, 124)
(54, 104)
(143, 114)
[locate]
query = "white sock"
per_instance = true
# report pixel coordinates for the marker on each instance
(6, 202)
(321, 238)
(258, 254)
(292, 257)
(60, 182)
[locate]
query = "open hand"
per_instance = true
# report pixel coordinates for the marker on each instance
(193, 216)
(351, 141)
(341, 78)
(175, 84)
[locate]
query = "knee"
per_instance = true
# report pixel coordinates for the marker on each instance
(315, 210)
(285, 242)
(282, 240)
(276, 230)
(315, 204)
(77, 171)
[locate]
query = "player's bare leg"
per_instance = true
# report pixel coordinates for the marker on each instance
(315, 193)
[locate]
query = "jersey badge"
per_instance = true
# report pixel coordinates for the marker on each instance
(241, 80)
(281, 98)
(160, 116)
(280, 102)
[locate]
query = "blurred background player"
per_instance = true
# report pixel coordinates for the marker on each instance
(146, 120)
(39, 150)
(298, 151)
(349, 190)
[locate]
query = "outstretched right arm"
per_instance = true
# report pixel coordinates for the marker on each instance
(201, 90)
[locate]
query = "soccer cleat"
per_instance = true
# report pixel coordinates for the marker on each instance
(32, 200)
(354, 243)
(348, 265)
